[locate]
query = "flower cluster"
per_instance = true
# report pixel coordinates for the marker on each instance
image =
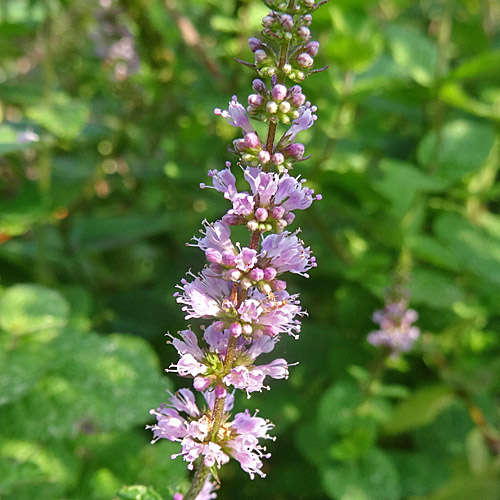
(114, 42)
(241, 292)
(396, 330)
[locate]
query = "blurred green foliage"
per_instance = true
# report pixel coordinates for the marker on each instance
(101, 157)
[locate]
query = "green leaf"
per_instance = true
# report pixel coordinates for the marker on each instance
(419, 472)
(434, 289)
(137, 492)
(421, 408)
(469, 486)
(464, 147)
(484, 64)
(21, 366)
(31, 308)
(451, 93)
(63, 116)
(430, 250)
(415, 52)
(57, 468)
(478, 251)
(338, 406)
(373, 477)
(106, 233)
(97, 383)
(401, 182)
(14, 473)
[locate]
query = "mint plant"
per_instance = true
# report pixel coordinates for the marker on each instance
(240, 292)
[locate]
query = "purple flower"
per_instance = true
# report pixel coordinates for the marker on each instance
(285, 252)
(245, 446)
(236, 115)
(396, 330)
(238, 438)
(203, 297)
(303, 122)
(251, 378)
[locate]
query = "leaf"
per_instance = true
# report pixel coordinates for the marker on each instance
(21, 367)
(14, 473)
(464, 147)
(31, 308)
(421, 408)
(401, 182)
(415, 52)
(434, 289)
(453, 94)
(430, 250)
(106, 233)
(478, 251)
(57, 468)
(373, 477)
(97, 383)
(63, 116)
(468, 486)
(137, 492)
(419, 472)
(484, 64)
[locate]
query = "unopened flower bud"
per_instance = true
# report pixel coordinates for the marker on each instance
(233, 274)
(305, 60)
(247, 329)
(260, 55)
(289, 217)
(239, 145)
(213, 255)
(235, 329)
(266, 288)
(254, 44)
(298, 100)
(220, 391)
(284, 107)
(252, 140)
(287, 68)
(277, 158)
(286, 21)
(252, 225)
(281, 224)
(270, 273)
(245, 283)
(271, 107)
(228, 258)
(258, 85)
(277, 212)
(278, 285)
(304, 33)
(279, 92)
(257, 274)
(261, 214)
(201, 383)
(307, 19)
(255, 100)
(264, 157)
(267, 21)
(312, 48)
(296, 150)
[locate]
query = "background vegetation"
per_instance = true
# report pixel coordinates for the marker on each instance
(102, 149)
